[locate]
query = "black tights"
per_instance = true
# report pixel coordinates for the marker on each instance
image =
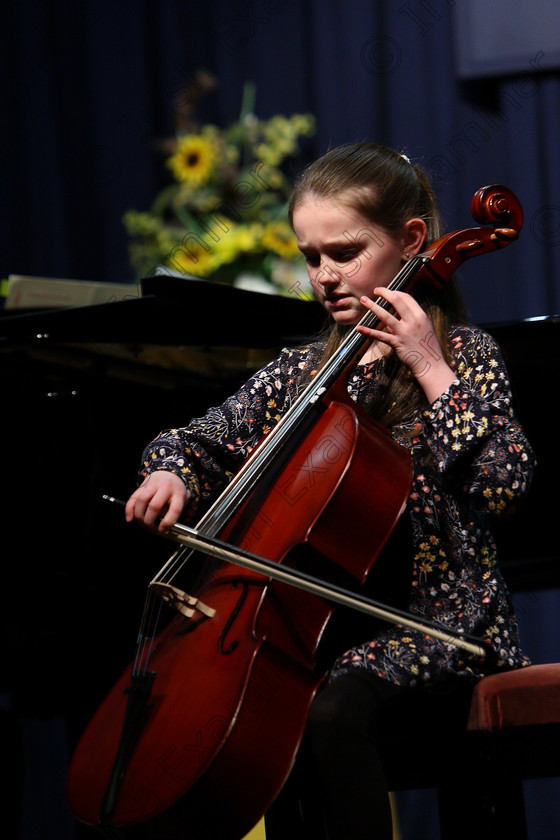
(338, 789)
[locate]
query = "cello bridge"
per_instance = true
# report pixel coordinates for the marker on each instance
(184, 603)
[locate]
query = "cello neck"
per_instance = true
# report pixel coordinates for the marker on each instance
(354, 344)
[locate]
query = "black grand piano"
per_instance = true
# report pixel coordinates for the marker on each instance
(84, 389)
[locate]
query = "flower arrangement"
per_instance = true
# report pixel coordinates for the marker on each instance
(223, 216)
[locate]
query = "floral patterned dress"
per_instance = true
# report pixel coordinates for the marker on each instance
(471, 460)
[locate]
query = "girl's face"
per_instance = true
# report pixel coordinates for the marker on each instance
(349, 256)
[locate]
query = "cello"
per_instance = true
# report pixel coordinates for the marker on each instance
(200, 733)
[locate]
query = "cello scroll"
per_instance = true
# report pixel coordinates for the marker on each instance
(499, 210)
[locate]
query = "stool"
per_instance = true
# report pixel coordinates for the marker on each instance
(513, 733)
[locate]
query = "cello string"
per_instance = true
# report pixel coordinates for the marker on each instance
(148, 627)
(142, 633)
(173, 566)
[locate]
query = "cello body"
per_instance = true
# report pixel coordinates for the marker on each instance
(229, 702)
(198, 745)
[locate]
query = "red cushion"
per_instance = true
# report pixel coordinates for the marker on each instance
(524, 697)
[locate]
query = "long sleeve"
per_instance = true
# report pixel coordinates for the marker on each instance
(472, 429)
(208, 451)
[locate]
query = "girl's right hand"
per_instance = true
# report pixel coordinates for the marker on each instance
(161, 496)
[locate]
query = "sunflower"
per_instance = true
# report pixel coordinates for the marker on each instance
(193, 161)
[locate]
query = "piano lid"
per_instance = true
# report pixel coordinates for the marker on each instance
(176, 311)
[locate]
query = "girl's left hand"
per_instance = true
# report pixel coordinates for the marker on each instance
(410, 333)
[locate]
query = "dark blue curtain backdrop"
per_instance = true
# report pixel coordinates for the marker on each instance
(88, 88)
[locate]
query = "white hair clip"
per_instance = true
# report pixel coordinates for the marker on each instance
(405, 157)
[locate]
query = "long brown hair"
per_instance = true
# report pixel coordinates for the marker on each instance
(387, 189)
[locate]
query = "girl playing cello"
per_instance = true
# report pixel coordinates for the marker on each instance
(440, 386)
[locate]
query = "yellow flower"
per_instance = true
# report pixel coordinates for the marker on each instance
(193, 161)
(247, 238)
(221, 175)
(238, 240)
(191, 258)
(269, 155)
(304, 124)
(280, 238)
